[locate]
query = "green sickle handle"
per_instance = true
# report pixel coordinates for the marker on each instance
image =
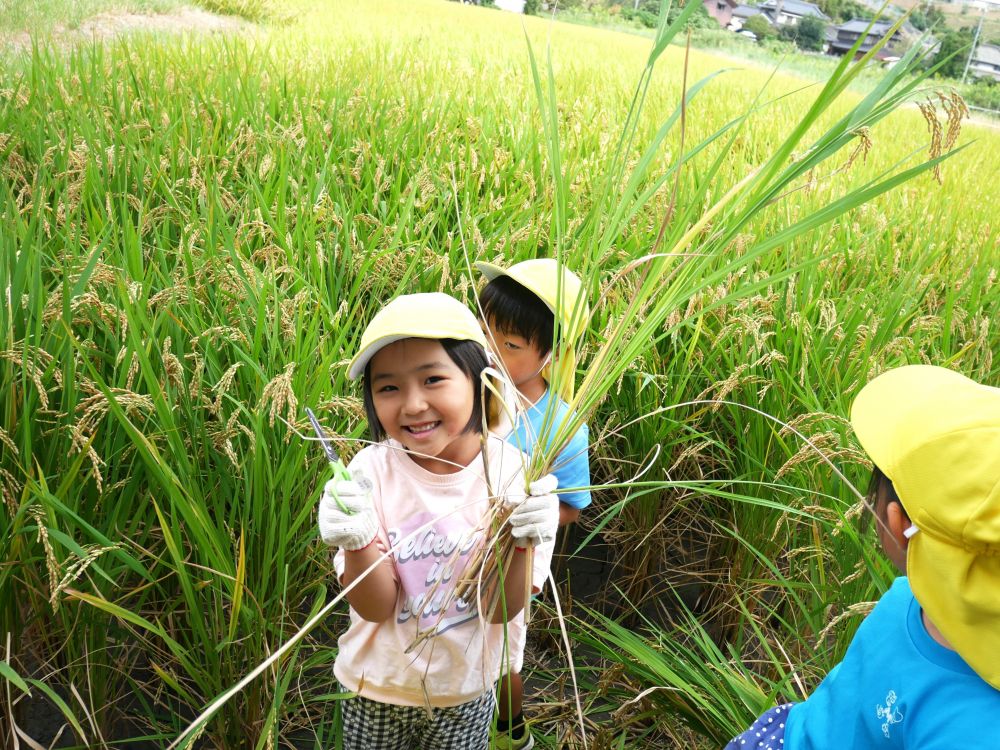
(339, 470)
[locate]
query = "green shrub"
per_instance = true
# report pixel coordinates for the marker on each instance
(648, 14)
(924, 19)
(983, 92)
(779, 47)
(954, 48)
(253, 10)
(720, 39)
(642, 16)
(809, 34)
(842, 10)
(761, 27)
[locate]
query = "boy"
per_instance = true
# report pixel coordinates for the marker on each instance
(527, 308)
(923, 669)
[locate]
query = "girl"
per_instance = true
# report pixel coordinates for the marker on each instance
(421, 492)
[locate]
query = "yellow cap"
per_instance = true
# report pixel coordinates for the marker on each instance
(562, 292)
(421, 316)
(936, 435)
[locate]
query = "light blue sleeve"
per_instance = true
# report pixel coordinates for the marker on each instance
(572, 469)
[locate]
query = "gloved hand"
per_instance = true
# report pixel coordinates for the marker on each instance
(346, 513)
(536, 519)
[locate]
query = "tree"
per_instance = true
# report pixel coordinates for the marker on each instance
(760, 26)
(954, 44)
(810, 33)
(788, 33)
(650, 6)
(647, 12)
(699, 19)
(532, 7)
(841, 10)
(925, 18)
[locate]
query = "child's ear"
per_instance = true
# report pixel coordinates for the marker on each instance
(896, 541)
(898, 522)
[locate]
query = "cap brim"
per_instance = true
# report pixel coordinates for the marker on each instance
(490, 271)
(881, 407)
(957, 589)
(357, 367)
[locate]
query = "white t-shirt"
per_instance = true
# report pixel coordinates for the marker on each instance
(426, 517)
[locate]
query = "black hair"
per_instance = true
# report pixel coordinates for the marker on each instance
(470, 358)
(513, 308)
(880, 487)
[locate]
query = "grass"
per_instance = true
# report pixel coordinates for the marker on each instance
(42, 16)
(194, 230)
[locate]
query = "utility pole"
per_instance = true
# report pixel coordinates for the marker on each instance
(975, 42)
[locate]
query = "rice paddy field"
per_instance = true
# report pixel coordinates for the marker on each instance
(194, 229)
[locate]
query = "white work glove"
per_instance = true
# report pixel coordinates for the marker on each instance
(536, 519)
(346, 513)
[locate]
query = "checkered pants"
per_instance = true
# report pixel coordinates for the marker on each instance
(370, 725)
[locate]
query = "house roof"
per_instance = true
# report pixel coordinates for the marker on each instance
(858, 26)
(882, 54)
(987, 53)
(795, 8)
(745, 11)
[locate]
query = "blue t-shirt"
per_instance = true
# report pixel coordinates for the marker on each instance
(897, 688)
(572, 465)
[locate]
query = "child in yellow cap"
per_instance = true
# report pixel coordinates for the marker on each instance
(420, 492)
(923, 669)
(534, 312)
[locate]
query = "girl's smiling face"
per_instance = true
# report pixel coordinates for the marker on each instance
(424, 401)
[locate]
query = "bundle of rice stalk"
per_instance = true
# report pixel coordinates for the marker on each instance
(693, 249)
(691, 253)
(482, 578)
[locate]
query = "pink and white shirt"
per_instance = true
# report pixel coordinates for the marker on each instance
(425, 518)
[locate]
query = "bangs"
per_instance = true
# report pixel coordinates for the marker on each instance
(511, 308)
(470, 358)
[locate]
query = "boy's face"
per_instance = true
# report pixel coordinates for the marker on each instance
(524, 360)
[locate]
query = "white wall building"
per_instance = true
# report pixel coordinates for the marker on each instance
(517, 6)
(986, 61)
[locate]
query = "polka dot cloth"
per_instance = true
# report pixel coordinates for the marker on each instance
(767, 733)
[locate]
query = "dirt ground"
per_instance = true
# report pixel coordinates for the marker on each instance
(115, 24)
